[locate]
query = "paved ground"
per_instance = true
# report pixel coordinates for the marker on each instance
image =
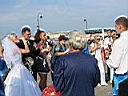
(104, 90)
(100, 91)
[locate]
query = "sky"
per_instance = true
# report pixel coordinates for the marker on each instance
(59, 15)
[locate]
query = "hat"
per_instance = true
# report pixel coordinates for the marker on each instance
(62, 37)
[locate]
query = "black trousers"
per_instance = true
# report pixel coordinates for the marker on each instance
(34, 70)
(123, 88)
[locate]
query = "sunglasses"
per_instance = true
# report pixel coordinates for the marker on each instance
(98, 39)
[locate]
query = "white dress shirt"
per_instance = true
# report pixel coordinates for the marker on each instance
(119, 56)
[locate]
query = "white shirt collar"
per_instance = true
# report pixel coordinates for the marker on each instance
(124, 33)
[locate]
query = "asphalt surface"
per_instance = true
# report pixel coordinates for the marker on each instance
(104, 90)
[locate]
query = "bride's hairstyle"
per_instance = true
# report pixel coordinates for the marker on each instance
(11, 35)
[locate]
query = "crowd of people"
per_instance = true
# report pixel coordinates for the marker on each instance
(77, 65)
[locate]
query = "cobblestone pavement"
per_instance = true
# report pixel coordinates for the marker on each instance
(100, 91)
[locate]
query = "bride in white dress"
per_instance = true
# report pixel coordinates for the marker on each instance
(19, 81)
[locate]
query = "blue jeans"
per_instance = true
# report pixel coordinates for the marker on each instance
(116, 80)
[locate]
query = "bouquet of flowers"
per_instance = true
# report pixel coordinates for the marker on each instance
(50, 91)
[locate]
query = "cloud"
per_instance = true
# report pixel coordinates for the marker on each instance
(22, 3)
(13, 18)
(60, 14)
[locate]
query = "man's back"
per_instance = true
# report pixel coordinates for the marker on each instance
(80, 76)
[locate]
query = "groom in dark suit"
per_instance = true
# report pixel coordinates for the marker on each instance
(28, 50)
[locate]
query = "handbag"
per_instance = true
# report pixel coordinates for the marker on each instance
(42, 64)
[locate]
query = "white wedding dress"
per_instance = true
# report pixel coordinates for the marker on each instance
(19, 81)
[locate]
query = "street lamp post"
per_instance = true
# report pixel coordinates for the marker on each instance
(39, 16)
(86, 23)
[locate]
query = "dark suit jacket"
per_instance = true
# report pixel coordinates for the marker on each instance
(33, 52)
(76, 74)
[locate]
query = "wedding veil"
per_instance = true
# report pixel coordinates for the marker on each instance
(12, 54)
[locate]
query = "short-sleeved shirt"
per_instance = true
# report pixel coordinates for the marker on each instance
(56, 48)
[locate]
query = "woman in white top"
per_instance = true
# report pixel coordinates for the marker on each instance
(19, 81)
(97, 48)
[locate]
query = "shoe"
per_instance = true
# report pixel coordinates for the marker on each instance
(110, 82)
(105, 84)
(98, 85)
